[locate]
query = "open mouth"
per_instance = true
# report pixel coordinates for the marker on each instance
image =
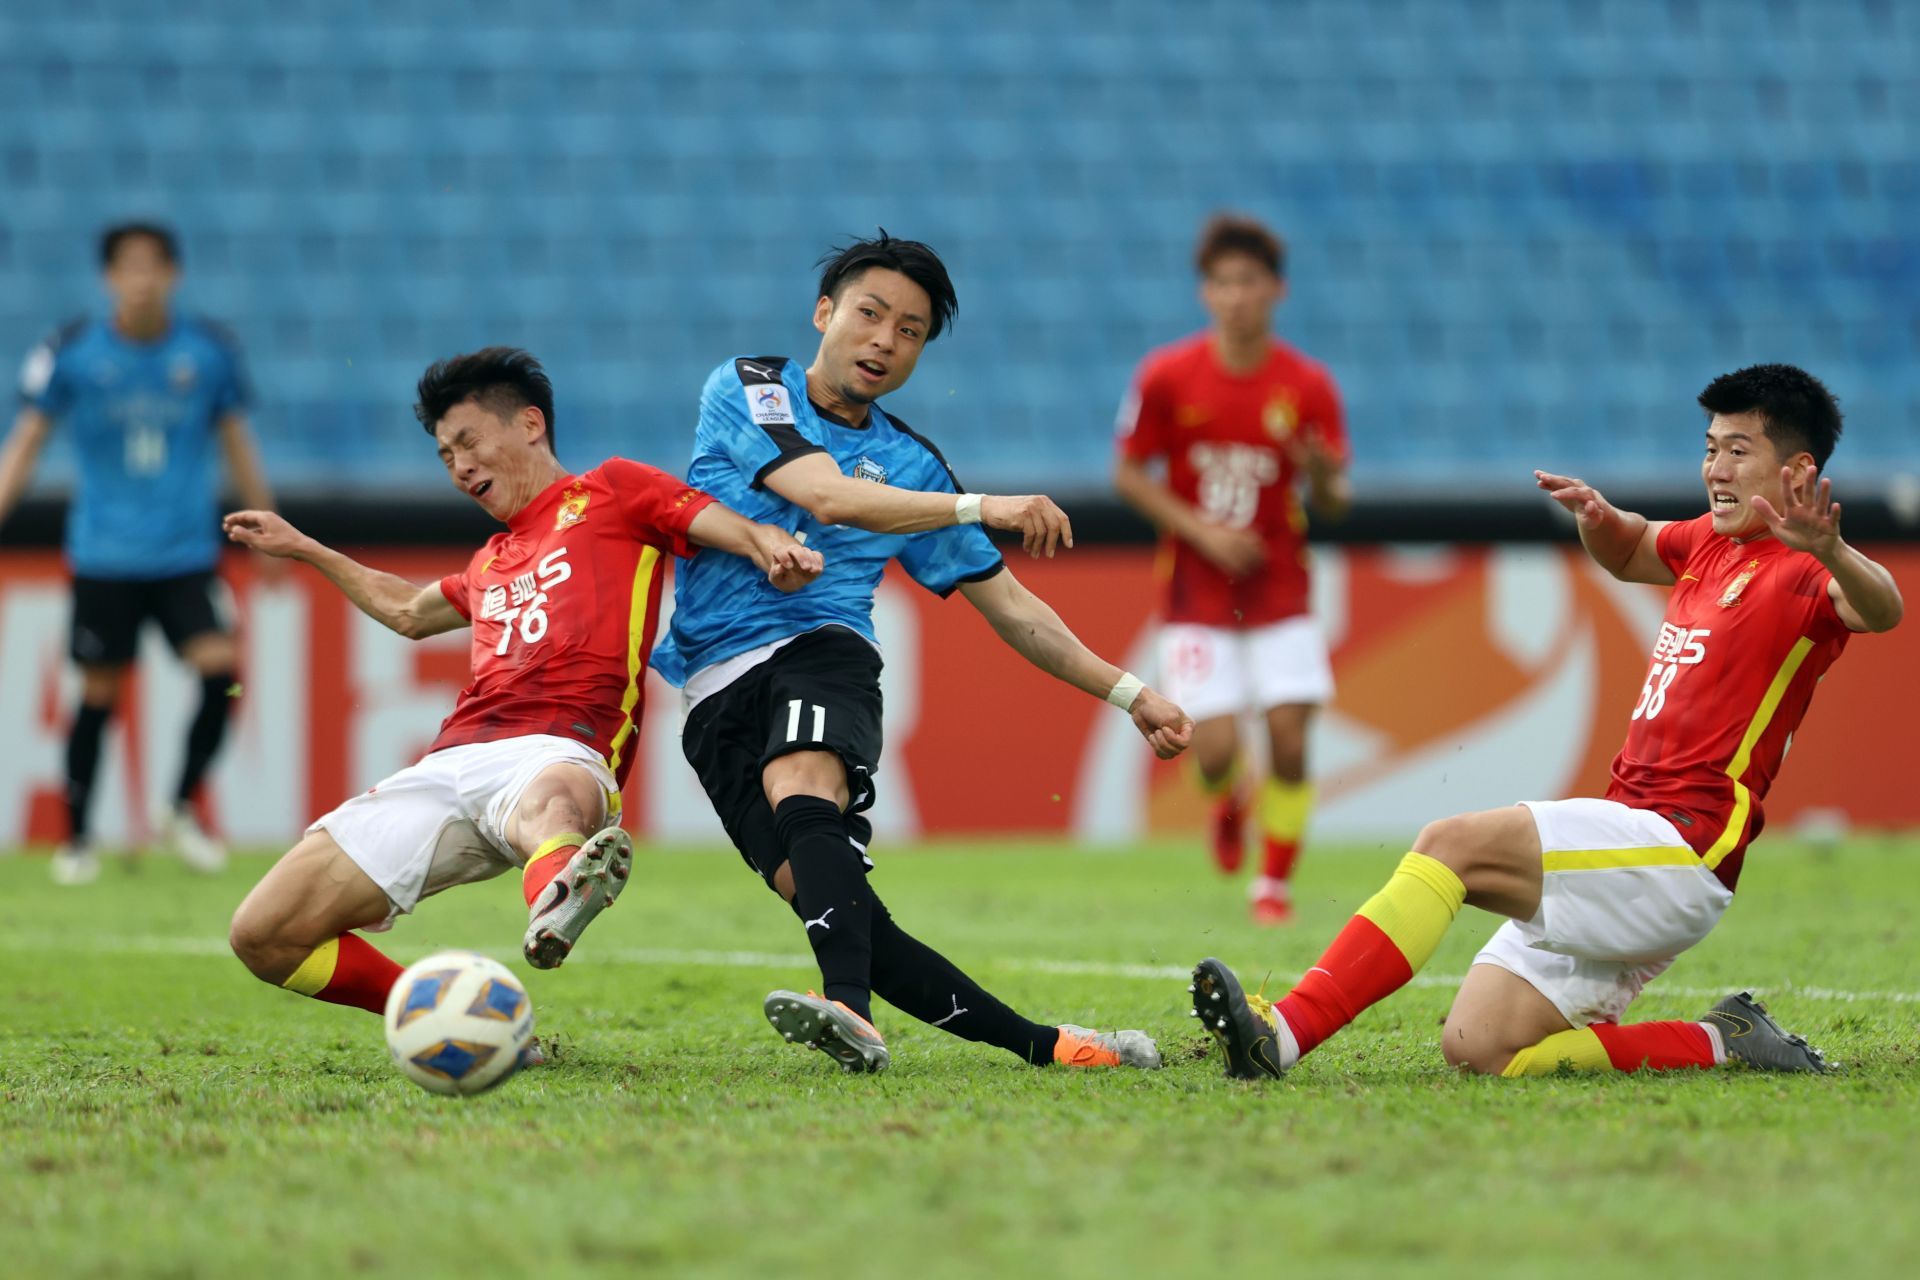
(873, 370)
(1725, 502)
(480, 490)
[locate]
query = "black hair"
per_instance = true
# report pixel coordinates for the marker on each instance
(912, 259)
(113, 237)
(1227, 233)
(501, 380)
(1797, 410)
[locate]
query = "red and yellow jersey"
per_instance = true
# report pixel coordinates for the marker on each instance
(1225, 438)
(1749, 631)
(563, 607)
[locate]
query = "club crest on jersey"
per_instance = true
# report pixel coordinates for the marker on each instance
(181, 373)
(1731, 596)
(573, 507)
(1280, 417)
(867, 469)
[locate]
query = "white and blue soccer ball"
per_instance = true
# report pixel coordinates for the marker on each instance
(458, 1023)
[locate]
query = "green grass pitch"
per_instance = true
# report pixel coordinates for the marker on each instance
(163, 1114)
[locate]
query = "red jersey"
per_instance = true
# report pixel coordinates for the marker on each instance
(563, 606)
(1224, 436)
(1748, 633)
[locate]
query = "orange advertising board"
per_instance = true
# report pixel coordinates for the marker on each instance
(1467, 677)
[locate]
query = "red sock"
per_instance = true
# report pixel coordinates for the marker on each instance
(350, 971)
(548, 861)
(1361, 968)
(1393, 934)
(1655, 1046)
(1279, 858)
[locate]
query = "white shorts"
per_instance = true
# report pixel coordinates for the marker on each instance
(1221, 671)
(1622, 894)
(442, 822)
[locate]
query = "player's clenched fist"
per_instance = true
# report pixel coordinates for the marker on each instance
(1039, 521)
(793, 566)
(1167, 729)
(264, 532)
(1581, 499)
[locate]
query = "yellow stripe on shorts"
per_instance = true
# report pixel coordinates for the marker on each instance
(1612, 859)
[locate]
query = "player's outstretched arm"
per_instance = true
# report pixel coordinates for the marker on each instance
(19, 456)
(1036, 633)
(788, 563)
(1624, 543)
(813, 481)
(405, 607)
(1862, 590)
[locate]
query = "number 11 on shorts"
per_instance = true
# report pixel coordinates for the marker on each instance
(793, 721)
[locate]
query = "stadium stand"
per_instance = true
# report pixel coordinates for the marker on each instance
(1523, 231)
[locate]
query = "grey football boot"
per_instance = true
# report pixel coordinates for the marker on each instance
(830, 1027)
(1753, 1037)
(593, 878)
(1085, 1047)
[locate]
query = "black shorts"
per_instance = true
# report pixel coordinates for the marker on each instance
(819, 693)
(108, 613)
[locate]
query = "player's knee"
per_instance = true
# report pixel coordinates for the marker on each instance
(805, 773)
(255, 942)
(1476, 1055)
(1448, 840)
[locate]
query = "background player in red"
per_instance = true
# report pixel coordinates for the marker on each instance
(527, 770)
(1601, 895)
(1242, 422)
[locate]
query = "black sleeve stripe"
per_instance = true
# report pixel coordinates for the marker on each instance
(788, 455)
(929, 446)
(997, 567)
(759, 369)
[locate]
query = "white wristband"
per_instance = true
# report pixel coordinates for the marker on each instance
(1125, 690)
(966, 509)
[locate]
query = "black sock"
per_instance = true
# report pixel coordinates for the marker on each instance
(83, 761)
(914, 978)
(831, 896)
(203, 738)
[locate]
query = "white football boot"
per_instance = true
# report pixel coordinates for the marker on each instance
(74, 865)
(186, 837)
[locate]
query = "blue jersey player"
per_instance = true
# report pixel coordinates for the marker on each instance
(153, 401)
(782, 692)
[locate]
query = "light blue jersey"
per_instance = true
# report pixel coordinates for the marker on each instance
(143, 418)
(754, 417)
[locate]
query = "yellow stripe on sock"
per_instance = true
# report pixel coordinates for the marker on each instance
(1609, 859)
(1216, 787)
(565, 840)
(1579, 1049)
(1284, 808)
(1416, 906)
(316, 971)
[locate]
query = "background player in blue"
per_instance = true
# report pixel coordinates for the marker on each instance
(783, 692)
(154, 401)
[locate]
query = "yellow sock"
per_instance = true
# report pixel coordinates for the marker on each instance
(1579, 1049)
(1416, 906)
(1284, 808)
(316, 971)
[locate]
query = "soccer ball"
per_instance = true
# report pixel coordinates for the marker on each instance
(458, 1023)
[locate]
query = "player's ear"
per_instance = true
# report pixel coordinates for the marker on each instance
(533, 424)
(822, 313)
